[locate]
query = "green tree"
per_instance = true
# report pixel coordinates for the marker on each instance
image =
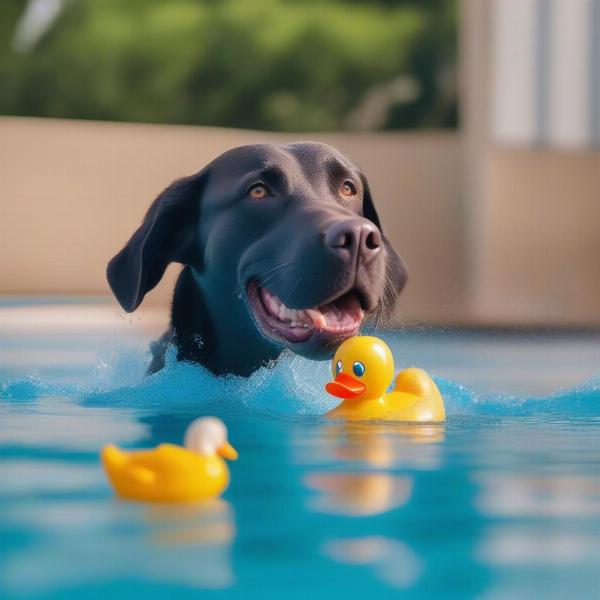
(268, 64)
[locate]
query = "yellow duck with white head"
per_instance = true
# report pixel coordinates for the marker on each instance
(171, 473)
(363, 368)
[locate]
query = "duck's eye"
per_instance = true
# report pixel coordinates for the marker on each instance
(358, 369)
(258, 191)
(348, 189)
(338, 367)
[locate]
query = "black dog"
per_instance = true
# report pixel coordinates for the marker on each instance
(282, 247)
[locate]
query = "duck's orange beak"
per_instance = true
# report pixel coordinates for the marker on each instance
(227, 451)
(345, 386)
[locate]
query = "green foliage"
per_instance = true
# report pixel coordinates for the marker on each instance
(265, 64)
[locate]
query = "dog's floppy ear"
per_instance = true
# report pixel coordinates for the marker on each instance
(397, 273)
(167, 234)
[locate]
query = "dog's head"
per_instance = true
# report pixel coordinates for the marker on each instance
(283, 240)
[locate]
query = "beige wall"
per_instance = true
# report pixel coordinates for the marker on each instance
(72, 192)
(538, 254)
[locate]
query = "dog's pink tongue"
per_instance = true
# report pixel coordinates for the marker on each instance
(331, 315)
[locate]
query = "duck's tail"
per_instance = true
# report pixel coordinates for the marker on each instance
(417, 382)
(430, 404)
(112, 458)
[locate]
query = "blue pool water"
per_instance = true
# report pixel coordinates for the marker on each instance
(503, 501)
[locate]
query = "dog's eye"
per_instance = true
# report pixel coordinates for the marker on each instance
(348, 189)
(258, 191)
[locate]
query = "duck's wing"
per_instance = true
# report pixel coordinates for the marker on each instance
(113, 458)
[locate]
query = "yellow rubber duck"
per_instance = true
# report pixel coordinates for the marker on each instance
(170, 473)
(363, 368)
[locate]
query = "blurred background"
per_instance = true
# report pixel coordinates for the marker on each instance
(477, 123)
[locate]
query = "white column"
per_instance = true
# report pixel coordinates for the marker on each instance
(570, 74)
(514, 29)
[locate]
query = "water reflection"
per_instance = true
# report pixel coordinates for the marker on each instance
(387, 445)
(391, 561)
(183, 545)
(519, 546)
(379, 445)
(357, 494)
(360, 494)
(543, 560)
(26, 476)
(514, 494)
(381, 496)
(64, 424)
(209, 522)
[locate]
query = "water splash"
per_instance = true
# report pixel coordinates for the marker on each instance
(292, 386)
(581, 401)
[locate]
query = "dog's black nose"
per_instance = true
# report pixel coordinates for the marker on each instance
(354, 236)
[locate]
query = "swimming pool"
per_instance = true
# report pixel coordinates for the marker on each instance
(503, 501)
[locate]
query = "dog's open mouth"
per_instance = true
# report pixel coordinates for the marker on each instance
(339, 318)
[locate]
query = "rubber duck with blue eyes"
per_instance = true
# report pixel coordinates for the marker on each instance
(171, 473)
(363, 367)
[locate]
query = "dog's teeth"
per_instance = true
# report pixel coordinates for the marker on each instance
(273, 305)
(329, 316)
(337, 312)
(317, 318)
(272, 302)
(304, 318)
